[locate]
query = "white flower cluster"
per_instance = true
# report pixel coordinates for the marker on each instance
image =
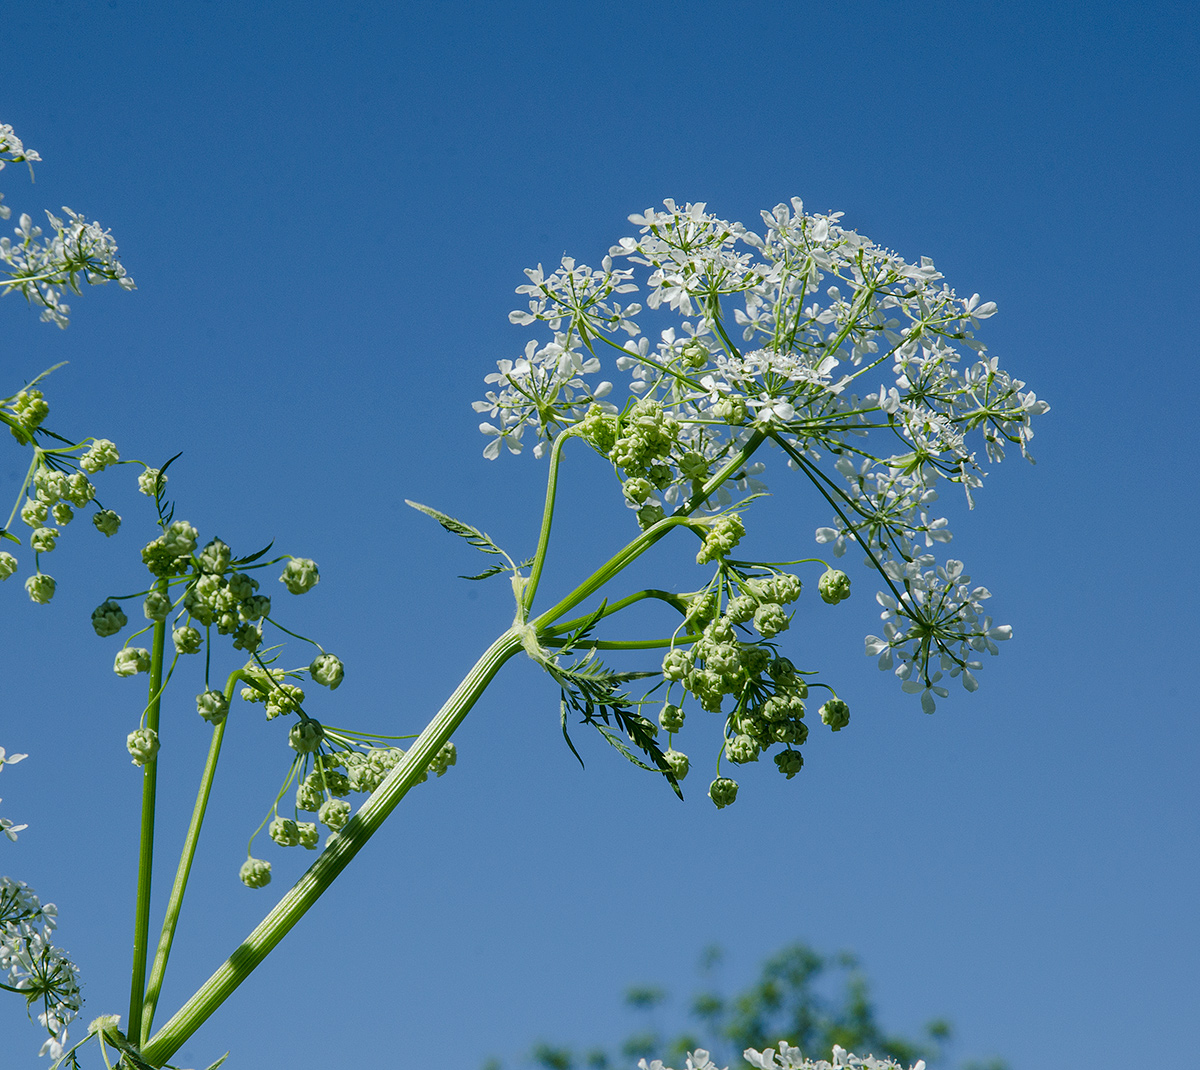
(938, 613)
(35, 967)
(788, 1058)
(42, 268)
(826, 317)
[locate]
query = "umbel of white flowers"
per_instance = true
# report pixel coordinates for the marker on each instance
(861, 369)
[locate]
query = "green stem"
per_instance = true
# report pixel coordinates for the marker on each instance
(141, 925)
(633, 550)
(344, 846)
(159, 969)
(539, 557)
(615, 607)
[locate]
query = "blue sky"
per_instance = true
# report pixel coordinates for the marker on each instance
(326, 209)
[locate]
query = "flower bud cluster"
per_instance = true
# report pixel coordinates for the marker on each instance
(29, 409)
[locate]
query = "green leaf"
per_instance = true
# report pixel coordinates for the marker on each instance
(474, 536)
(253, 557)
(219, 1061)
(6, 534)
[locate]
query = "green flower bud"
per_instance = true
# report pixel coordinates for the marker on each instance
(309, 793)
(215, 557)
(741, 749)
(63, 513)
(783, 706)
(694, 353)
(156, 606)
(171, 552)
(142, 745)
(107, 522)
(834, 586)
(755, 660)
(300, 575)
(676, 664)
(101, 454)
(335, 783)
(255, 873)
(731, 409)
(723, 535)
(789, 762)
(50, 485)
(151, 482)
(770, 619)
(649, 515)
(836, 714)
(34, 512)
(701, 609)
(678, 761)
(693, 465)
(719, 631)
(284, 698)
(255, 607)
(783, 672)
(599, 428)
(242, 586)
(228, 622)
(187, 640)
(79, 489)
(334, 814)
(740, 609)
(305, 737)
(248, 637)
(444, 758)
(723, 791)
(131, 660)
(31, 409)
(284, 831)
(44, 539)
(40, 587)
(108, 618)
(791, 732)
(8, 564)
(309, 835)
(327, 670)
(637, 490)
(671, 718)
(786, 587)
(213, 706)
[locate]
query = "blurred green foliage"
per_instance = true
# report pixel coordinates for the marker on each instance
(812, 1001)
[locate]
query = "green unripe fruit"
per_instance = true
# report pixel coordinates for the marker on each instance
(255, 607)
(741, 749)
(215, 557)
(678, 761)
(63, 513)
(300, 575)
(34, 512)
(107, 522)
(637, 490)
(142, 745)
(108, 618)
(187, 640)
(327, 670)
(8, 564)
(770, 619)
(836, 714)
(131, 660)
(101, 454)
(834, 586)
(334, 814)
(694, 353)
(444, 758)
(676, 664)
(309, 835)
(305, 737)
(43, 539)
(284, 831)
(723, 792)
(242, 586)
(255, 873)
(213, 706)
(671, 718)
(789, 762)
